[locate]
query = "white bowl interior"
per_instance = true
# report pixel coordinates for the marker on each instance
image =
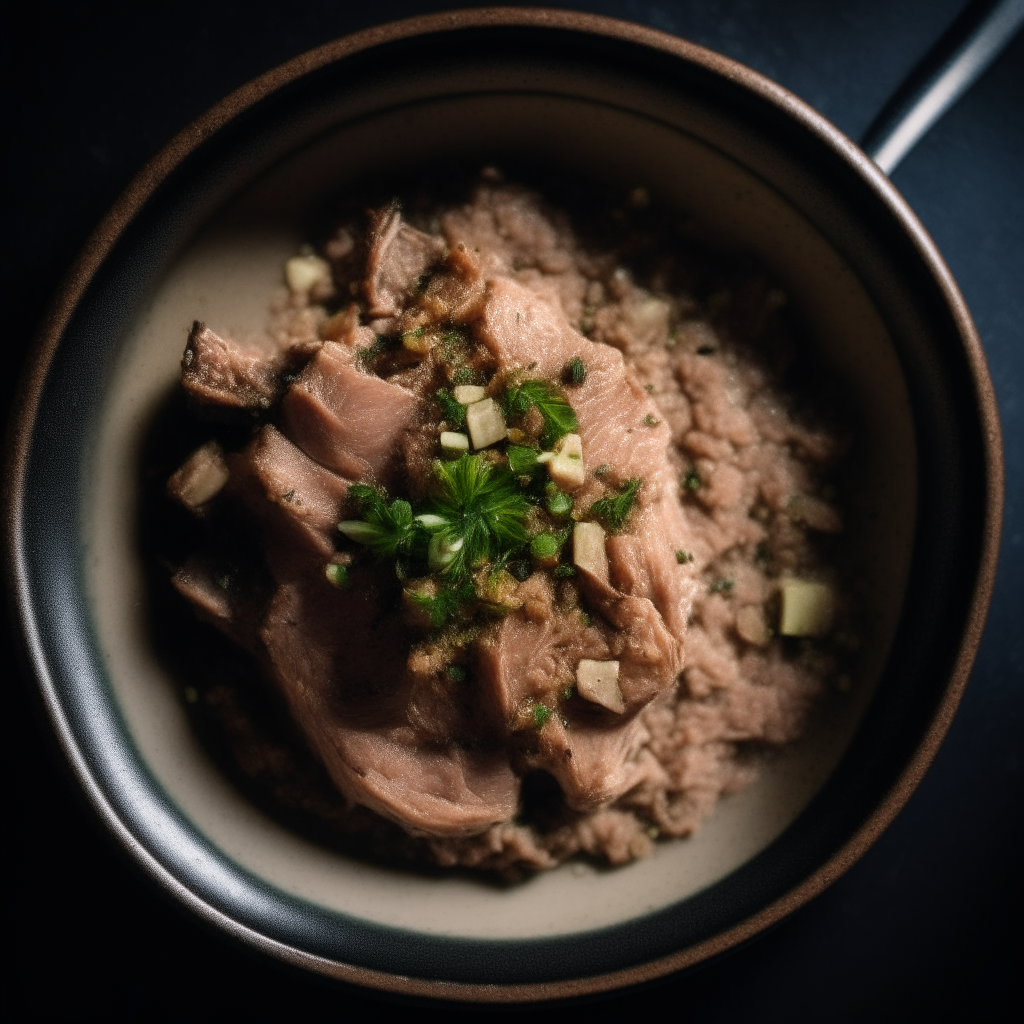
(225, 277)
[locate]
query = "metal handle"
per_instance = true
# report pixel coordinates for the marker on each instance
(948, 70)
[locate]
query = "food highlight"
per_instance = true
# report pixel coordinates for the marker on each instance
(539, 559)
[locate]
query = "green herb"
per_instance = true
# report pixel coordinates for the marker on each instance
(337, 576)
(682, 557)
(454, 412)
(586, 618)
(649, 388)
(650, 420)
(464, 375)
(380, 345)
(559, 418)
(691, 481)
(545, 546)
(719, 585)
(521, 460)
(456, 673)
(568, 690)
(602, 469)
(387, 529)
(481, 511)
(564, 572)
(614, 509)
(454, 345)
(575, 372)
(541, 713)
(559, 504)
(446, 604)
(520, 568)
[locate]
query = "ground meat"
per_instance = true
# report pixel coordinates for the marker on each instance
(735, 497)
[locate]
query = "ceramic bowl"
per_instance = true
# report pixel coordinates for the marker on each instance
(202, 234)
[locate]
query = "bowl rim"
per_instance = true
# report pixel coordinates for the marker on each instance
(102, 240)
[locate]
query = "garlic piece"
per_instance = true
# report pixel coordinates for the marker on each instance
(468, 394)
(201, 477)
(485, 422)
(566, 466)
(304, 273)
(453, 443)
(807, 608)
(598, 682)
(588, 549)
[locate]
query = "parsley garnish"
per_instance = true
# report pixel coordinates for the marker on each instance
(575, 372)
(559, 418)
(454, 412)
(614, 509)
(719, 585)
(446, 604)
(692, 480)
(387, 529)
(481, 506)
(521, 460)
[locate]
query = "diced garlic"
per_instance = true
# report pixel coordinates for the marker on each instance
(485, 422)
(304, 273)
(418, 342)
(567, 472)
(468, 394)
(588, 549)
(566, 466)
(807, 608)
(570, 445)
(598, 682)
(453, 443)
(201, 477)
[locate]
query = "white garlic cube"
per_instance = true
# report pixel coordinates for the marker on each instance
(588, 551)
(468, 394)
(566, 466)
(453, 443)
(486, 423)
(807, 608)
(304, 273)
(598, 682)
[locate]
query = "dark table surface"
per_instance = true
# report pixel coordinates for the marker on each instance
(930, 919)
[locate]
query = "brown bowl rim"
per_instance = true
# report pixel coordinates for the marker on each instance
(134, 197)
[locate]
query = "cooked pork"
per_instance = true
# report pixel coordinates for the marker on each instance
(551, 599)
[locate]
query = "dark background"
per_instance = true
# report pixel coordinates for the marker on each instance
(929, 920)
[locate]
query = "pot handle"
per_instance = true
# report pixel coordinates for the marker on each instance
(981, 32)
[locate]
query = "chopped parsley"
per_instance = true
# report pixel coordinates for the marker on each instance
(541, 713)
(682, 557)
(559, 418)
(446, 604)
(613, 509)
(650, 420)
(454, 411)
(521, 460)
(481, 507)
(387, 529)
(337, 576)
(692, 480)
(575, 372)
(722, 585)
(559, 504)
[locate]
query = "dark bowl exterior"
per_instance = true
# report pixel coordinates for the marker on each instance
(806, 160)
